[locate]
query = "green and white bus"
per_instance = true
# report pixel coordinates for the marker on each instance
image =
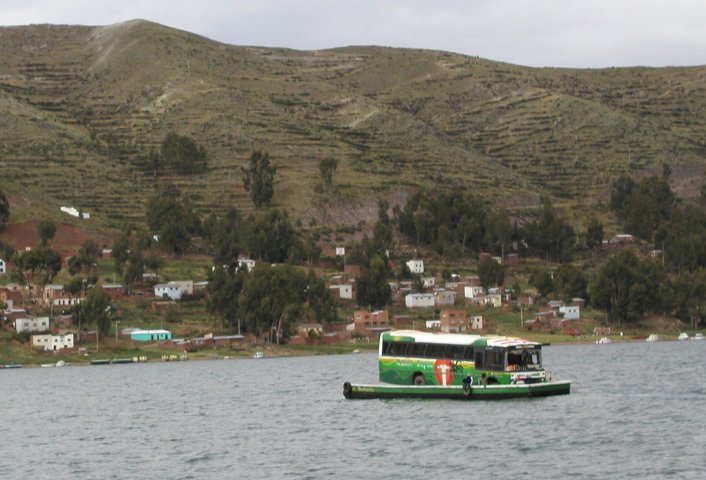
(408, 357)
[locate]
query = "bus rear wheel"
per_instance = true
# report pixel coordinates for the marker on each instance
(418, 379)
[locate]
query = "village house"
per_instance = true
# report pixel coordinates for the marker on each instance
(174, 290)
(403, 322)
(308, 329)
(416, 266)
(10, 297)
(51, 342)
(476, 322)
(167, 290)
(3, 267)
(248, 263)
(38, 324)
(54, 295)
(428, 282)
(368, 324)
(200, 286)
(512, 260)
(343, 291)
(493, 299)
(434, 325)
(150, 335)
(570, 312)
(473, 291)
(453, 321)
(445, 297)
(419, 300)
(114, 291)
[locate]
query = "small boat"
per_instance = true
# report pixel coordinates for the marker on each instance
(11, 365)
(258, 354)
(683, 336)
(603, 340)
(652, 338)
(698, 336)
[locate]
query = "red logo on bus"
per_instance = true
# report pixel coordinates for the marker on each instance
(444, 372)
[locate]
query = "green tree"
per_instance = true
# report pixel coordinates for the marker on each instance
(120, 251)
(570, 282)
(550, 237)
(594, 234)
(543, 281)
(225, 236)
(271, 300)
(498, 231)
(372, 284)
(182, 154)
(173, 219)
(628, 288)
(4, 210)
(133, 271)
(271, 236)
(46, 231)
(327, 167)
(224, 287)
(320, 303)
(96, 309)
(691, 297)
(42, 261)
(154, 262)
(259, 178)
(643, 207)
(490, 273)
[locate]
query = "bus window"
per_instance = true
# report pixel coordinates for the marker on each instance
(524, 359)
(398, 348)
(469, 353)
(479, 359)
(454, 352)
(494, 360)
(435, 350)
(416, 349)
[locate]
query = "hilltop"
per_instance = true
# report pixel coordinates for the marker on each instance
(81, 107)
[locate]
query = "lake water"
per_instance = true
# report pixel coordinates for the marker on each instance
(635, 411)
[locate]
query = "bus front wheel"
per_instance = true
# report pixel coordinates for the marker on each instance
(419, 379)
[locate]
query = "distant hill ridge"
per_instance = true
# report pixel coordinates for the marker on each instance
(81, 107)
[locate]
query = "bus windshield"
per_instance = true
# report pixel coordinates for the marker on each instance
(524, 359)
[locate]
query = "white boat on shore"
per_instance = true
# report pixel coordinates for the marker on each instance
(698, 336)
(683, 336)
(258, 354)
(652, 338)
(604, 340)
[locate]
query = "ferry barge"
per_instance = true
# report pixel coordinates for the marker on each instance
(458, 366)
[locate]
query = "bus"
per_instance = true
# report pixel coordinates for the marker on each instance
(408, 357)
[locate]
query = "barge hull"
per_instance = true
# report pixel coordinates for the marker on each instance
(456, 392)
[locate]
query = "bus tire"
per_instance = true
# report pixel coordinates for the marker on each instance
(418, 379)
(467, 389)
(347, 389)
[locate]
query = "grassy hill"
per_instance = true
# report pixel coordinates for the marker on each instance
(81, 107)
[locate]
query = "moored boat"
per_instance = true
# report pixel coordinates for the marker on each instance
(683, 336)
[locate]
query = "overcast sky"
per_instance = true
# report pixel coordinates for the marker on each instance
(561, 33)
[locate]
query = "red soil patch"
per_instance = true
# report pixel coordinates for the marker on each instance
(67, 239)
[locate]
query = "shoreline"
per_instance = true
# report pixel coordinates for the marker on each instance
(283, 351)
